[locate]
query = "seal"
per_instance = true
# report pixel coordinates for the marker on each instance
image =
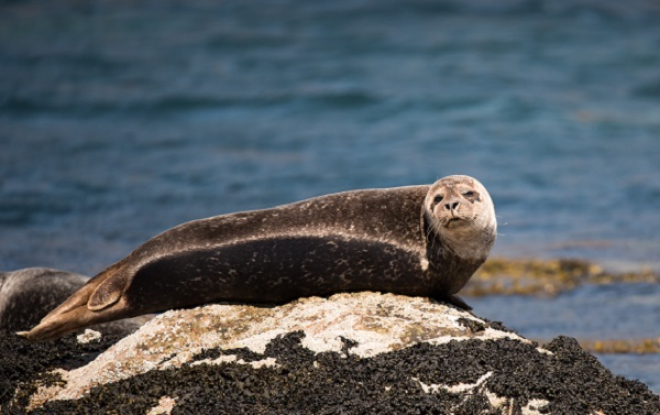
(423, 240)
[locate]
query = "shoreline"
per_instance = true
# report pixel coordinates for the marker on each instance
(550, 278)
(546, 277)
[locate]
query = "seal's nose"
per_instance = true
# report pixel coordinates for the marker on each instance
(452, 205)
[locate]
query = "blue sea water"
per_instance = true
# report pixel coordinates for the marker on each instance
(120, 119)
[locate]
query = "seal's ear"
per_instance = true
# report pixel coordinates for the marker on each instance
(106, 294)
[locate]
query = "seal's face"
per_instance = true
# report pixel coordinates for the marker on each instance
(460, 211)
(455, 202)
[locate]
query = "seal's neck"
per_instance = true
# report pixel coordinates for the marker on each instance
(471, 243)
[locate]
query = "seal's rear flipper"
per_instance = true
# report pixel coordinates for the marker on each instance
(57, 326)
(106, 294)
(75, 313)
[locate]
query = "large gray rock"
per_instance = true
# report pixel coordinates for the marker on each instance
(351, 353)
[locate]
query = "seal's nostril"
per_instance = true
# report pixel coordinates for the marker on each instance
(452, 206)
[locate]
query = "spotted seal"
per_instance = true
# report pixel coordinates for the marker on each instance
(423, 240)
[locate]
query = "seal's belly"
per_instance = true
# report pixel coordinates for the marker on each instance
(276, 270)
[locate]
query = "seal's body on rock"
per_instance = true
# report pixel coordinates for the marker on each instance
(416, 240)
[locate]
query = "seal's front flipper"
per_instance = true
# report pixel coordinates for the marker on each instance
(458, 302)
(453, 300)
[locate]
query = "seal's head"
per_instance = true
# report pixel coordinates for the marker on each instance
(460, 212)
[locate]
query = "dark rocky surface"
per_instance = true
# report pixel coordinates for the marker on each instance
(570, 380)
(22, 363)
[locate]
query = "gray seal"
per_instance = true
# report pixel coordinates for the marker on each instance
(423, 240)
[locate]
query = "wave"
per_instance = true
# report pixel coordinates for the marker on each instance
(184, 103)
(632, 9)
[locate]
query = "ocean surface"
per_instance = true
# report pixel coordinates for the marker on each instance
(121, 119)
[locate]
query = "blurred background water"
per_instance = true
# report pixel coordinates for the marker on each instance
(120, 119)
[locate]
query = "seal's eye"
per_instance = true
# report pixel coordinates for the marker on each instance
(469, 193)
(437, 199)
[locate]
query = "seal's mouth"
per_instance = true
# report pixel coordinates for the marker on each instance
(455, 223)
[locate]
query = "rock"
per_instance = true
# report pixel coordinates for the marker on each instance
(350, 353)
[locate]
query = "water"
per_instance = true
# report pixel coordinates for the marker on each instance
(119, 120)
(617, 311)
